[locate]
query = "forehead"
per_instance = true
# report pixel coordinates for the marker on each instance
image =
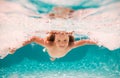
(61, 36)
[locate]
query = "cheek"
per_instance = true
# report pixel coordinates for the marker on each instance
(57, 43)
(67, 43)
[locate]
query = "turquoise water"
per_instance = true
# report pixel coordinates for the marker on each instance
(44, 7)
(89, 61)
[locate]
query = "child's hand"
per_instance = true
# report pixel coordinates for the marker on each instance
(12, 50)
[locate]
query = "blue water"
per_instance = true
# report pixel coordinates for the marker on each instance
(89, 61)
(43, 7)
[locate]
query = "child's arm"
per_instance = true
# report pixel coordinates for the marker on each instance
(36, 40)
(83, 42)
(33, 39)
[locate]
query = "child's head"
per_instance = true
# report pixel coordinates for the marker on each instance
(61, 39)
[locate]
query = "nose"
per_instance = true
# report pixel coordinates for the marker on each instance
(62, 43)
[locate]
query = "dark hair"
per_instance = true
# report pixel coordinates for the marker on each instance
(51, 38)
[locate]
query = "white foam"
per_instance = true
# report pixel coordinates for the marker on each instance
(100, 24)
(109, 40)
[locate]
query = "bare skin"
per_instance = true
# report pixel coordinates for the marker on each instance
(60, 47)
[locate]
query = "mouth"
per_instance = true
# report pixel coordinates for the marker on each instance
(62, 46)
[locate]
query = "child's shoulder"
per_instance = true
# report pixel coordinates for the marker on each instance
(48, 43)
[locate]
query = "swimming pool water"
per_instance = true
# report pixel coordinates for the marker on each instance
(88, 61)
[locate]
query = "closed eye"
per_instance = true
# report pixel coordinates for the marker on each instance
(65, 40)
(58, 40)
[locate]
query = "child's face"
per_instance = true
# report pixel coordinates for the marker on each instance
(61, 40)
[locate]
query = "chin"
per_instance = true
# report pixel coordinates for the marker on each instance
(61, 46)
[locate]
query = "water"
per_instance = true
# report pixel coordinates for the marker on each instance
(83, 62)
(23, 19)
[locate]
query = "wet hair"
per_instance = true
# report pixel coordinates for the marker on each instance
(51, 38)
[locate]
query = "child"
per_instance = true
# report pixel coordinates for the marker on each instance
(58, 44)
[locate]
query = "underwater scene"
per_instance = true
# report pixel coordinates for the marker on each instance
(98, 20)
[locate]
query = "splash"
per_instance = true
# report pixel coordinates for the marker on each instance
(18, 24)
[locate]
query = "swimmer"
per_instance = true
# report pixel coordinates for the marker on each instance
(58, 43)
